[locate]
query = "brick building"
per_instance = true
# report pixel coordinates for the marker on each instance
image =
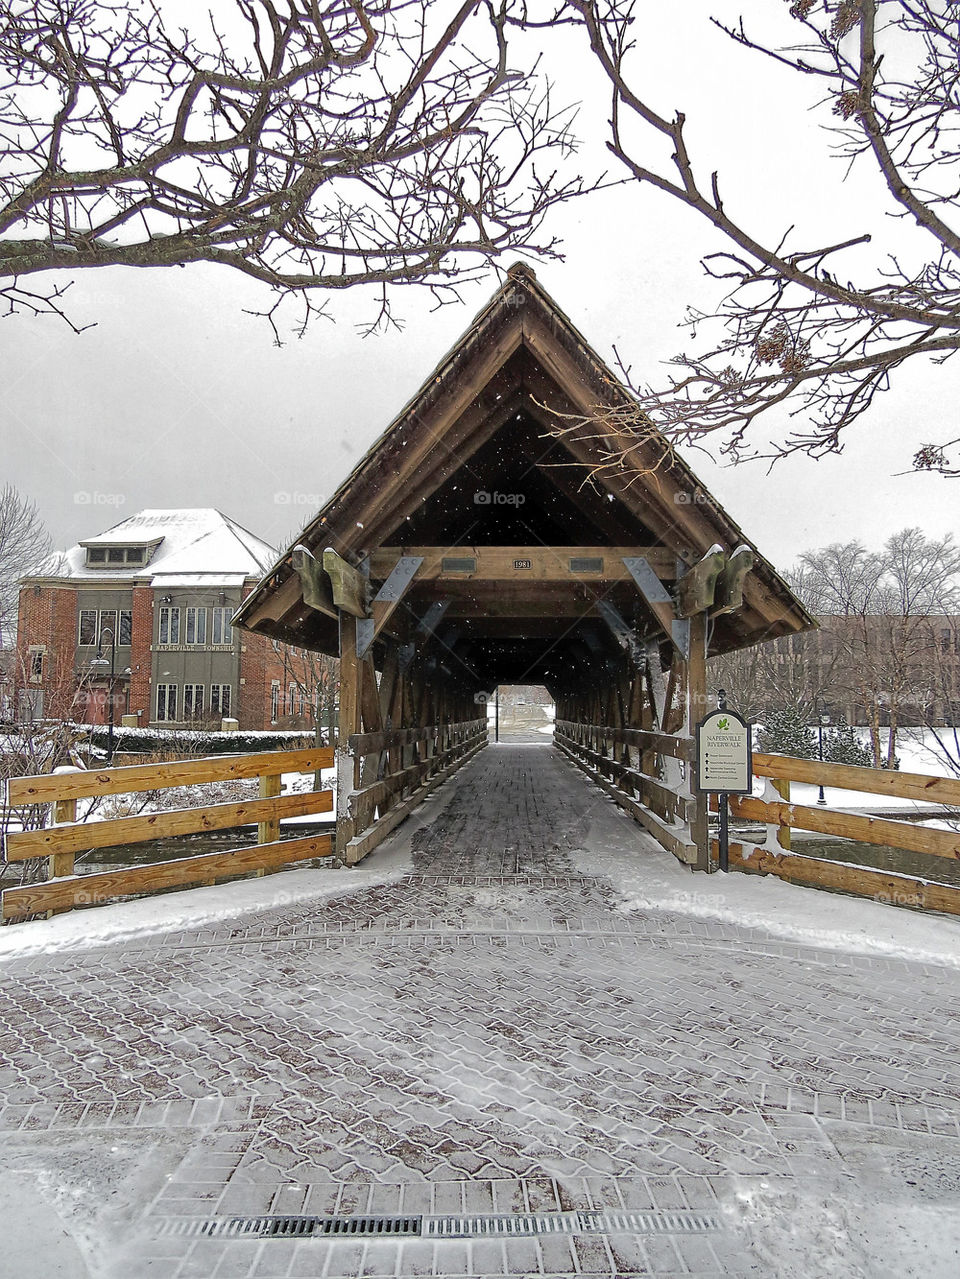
(155, 596)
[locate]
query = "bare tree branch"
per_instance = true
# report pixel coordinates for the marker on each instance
(24, 542)
(312, 146)
(813, 331)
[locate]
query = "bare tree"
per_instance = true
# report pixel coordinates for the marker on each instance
(24, 542)
(799, 672)
(813, 329)
(310, 144)
(885, 610)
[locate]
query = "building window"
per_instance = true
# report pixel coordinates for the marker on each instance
(274, 701)
(166, 702)
(196, 626)
(100, 626)
(220, 700)
(115, 555)
(169, 626)
(192, 701)
(36, 663)
(107, 628)
(88, 626)
(222, 631)
(96, 555)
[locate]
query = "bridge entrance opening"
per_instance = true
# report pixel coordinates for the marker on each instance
(521, 525)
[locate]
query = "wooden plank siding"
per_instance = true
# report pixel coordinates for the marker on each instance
(377, 807)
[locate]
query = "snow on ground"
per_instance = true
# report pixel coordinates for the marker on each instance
(915, 755)
(655, 880)
(187, 909)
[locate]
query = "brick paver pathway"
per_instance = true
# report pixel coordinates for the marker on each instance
(488, 1035)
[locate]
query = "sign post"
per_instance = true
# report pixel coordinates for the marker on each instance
(724, 763)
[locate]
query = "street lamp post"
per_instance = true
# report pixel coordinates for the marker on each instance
(99, 662)
(822, 722)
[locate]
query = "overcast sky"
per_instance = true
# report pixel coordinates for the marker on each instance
(176, 398)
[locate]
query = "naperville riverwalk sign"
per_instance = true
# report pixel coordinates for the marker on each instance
(724, 758)
(724, 764)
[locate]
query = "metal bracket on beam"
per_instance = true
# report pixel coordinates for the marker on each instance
(386, 600)
(680, 634)
(660, 603)
(365, 634)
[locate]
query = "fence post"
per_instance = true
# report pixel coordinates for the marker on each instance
(783, 790)
(60, 864)
(268, 832)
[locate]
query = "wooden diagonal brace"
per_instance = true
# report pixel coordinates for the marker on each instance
(729, 593)
(696, 589)
(350, 588)
(622, 633)
(431, 618)
(314, 584)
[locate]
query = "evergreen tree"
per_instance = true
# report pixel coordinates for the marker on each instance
(786, 732)
(842, 745)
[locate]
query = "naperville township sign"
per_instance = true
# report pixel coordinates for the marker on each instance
(724, 758)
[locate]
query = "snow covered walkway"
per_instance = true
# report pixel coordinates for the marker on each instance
(518, 1006)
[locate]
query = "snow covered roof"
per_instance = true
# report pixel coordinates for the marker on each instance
(195, 547)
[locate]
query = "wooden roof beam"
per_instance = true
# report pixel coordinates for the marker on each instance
(523, 563)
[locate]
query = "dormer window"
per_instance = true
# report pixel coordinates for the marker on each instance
(116, 556)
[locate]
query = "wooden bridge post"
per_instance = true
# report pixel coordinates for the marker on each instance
(696, 709)
(348, 723)
(59, 864)
(268, 832)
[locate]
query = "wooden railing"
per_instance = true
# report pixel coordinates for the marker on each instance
(777, 857)
(398, 769)
(658, 803)
(64, 889)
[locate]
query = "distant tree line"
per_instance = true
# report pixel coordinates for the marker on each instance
(887, 654)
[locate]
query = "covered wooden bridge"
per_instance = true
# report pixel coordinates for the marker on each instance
(487, 539)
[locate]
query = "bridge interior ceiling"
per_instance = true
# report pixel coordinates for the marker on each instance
(520, 491)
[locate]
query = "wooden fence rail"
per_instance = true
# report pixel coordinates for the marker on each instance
(64, 889)
(665, 810)
(399, 768)
(866, 881)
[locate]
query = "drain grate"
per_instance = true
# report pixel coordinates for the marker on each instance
(480, 1226)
